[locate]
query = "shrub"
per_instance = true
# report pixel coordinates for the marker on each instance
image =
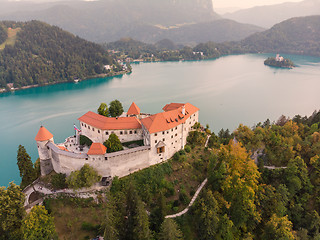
(182, 158)
(58, 181)
(90, 227)
(183, 197)
(85, 177)
(113, 143)
(84, 140)
(187, 148)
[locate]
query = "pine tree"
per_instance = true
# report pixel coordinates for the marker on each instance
(110, 230)
(27, 172)
(138, 222)
(169, 230)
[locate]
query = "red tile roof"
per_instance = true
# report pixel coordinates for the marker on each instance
(43, 134)
(169, 119)
(108, 123)
(97, 149)
(172, 106)
(63, 148)
(133, 109)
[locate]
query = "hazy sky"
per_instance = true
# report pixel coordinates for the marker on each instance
(246, 3)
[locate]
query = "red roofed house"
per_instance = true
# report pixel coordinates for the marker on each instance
(163, 134)
(97, 151)
(98, 128)
(167, 132)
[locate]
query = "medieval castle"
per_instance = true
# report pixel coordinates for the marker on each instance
(163, 134)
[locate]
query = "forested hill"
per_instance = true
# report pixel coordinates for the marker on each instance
(296, 36)
(3, 34)
(38, 53)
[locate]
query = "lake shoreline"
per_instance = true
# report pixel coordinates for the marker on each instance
(103, 75)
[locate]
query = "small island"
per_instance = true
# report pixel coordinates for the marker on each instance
(279, 62)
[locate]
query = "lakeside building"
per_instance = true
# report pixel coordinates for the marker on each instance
(162, 134)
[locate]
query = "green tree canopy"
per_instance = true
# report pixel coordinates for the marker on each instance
(38, 225)
(103, 110)
(27, 172)
(85, 177)
(169, 230)
(278, 228)
(113, 143)
(115, 108)
(11, 212)
(137, 224)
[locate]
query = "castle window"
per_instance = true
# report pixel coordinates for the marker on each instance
(171, 136)
(89, 127)
(121, 132)
(155, 141)
(163, 139)
(160, 150)
(130, 132)
(85, 125)
(107, 133)
(155, 134)
(81, 124)
(176, 128)
(93, 129)
(171, 129)
(98, 131)
(167, 132)
(135, 131)
(105, 158)
(86, 158)
(176, 135)
(163, 133)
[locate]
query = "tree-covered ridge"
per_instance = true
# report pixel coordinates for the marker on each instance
(3, 34)
(46, 54)
(296, 36)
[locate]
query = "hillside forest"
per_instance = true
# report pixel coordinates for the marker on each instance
(263, 183)
(43, 54)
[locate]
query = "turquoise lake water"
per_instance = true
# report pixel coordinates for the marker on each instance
(229, 90)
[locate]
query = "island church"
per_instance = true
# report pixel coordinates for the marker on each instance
(163, 134)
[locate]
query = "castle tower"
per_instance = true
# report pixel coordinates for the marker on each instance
(134, 110)
(42, 138)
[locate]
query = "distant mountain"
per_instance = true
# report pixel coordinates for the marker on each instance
(110, 20)
(37, 53)
(216, 31)
(296, 36)
(267, 16)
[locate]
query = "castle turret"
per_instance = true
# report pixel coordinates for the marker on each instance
(42, 138)
(133, 110)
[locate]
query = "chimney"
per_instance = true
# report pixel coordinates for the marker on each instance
(183, 110)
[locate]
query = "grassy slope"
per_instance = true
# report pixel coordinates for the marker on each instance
(186, 175)
(12, 36)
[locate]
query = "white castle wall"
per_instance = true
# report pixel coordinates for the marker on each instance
(175, 139)
(98, 135)
(120, 163)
